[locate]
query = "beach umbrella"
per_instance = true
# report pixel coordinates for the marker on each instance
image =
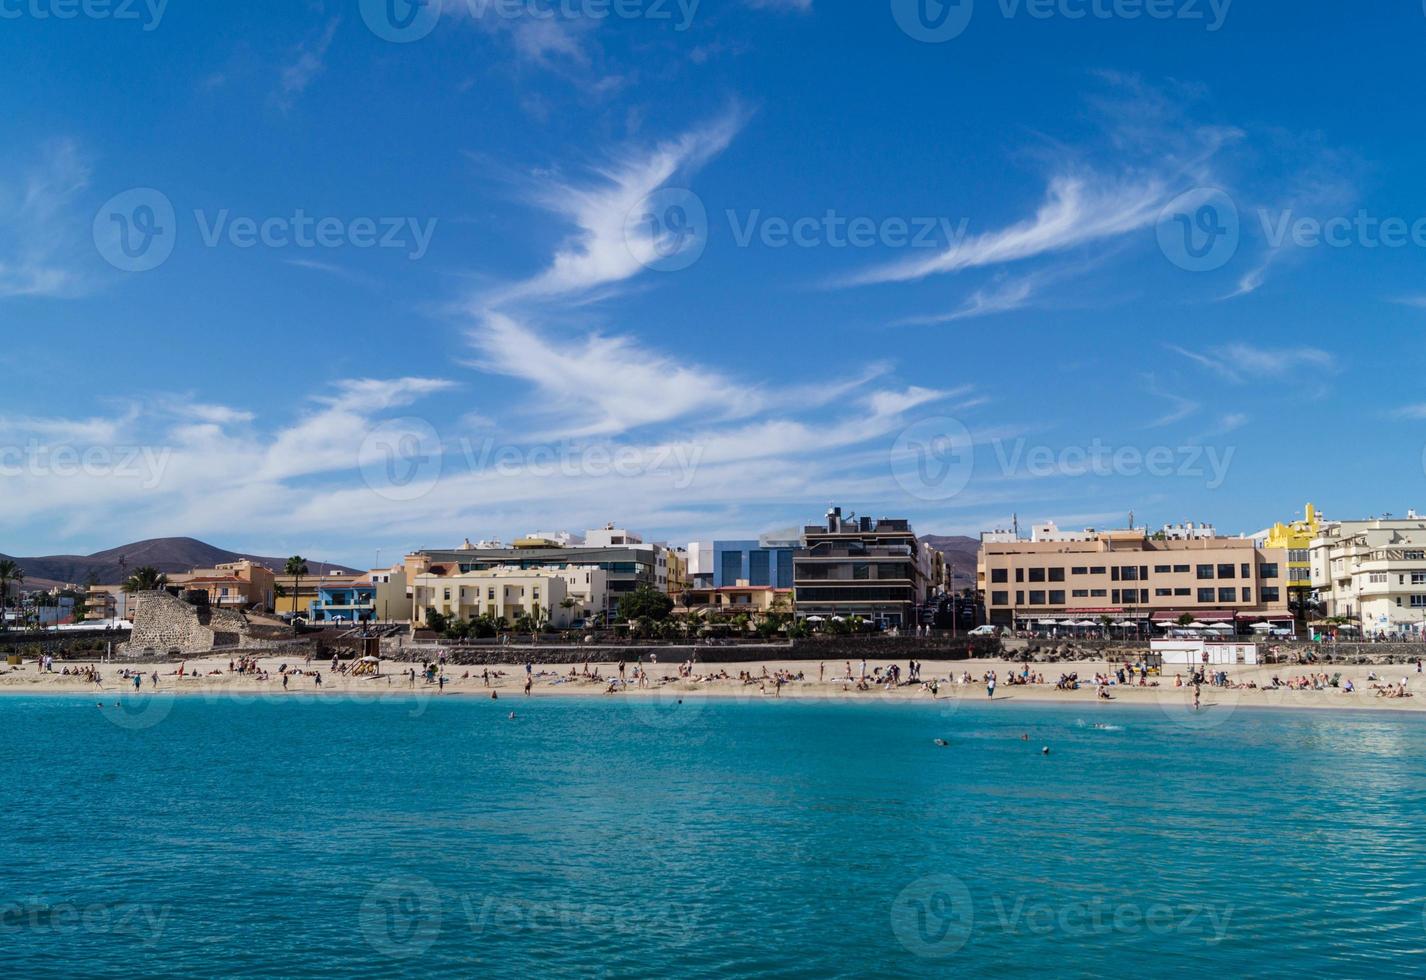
(1220, 627)
(816, 619)
(1086, 622)
(1262, 627)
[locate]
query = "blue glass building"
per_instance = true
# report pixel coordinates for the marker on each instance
(754, 562)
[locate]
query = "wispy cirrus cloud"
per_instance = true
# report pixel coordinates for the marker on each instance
(39, 255)
(606, 248)
(1077, 210)
(1239, 362)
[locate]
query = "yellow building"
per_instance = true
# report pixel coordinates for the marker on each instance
(1296, 539)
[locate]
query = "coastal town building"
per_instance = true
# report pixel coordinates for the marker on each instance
(766, 561)
(1296, 537)
(700, 564)
(235, 585)
(754, 601)
(560, 595)
(1373, 573)
(628, 563)
(874, 569)
(379, 595)
(1130, 577)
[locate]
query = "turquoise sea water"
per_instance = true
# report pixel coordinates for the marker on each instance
(591, 837)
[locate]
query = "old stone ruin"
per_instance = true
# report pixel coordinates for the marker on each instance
(165, 624)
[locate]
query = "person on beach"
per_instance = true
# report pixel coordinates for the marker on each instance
(442, 684)
(990, 685)
(529, 682)
(1196, 690)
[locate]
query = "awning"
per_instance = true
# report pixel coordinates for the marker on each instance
(1267, 617)
(1204, 615)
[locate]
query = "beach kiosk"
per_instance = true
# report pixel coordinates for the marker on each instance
(1205, 653)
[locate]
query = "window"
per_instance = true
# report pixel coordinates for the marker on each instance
(1057, 575)
(1081, 570)
(1271, 594)
(1269, 570)
(1131, 573)
(1037, 598)
(1163, 593)
(1418, 602)
(1116, 600)
(1000, 598)
(1114, 573)
(1057, 597)
(1414, 556)
(1247, 595)
(1019, 574)
(448, 595)
(1225, 571)
(1183, 593)
(1037, 575)
(1205, 572)
(1019, 598)
(1097, 593)
(1162, 569)
(1080, 593)
(1180, 569)
(1206, 595)
(999, 576)
(1097, 570)
(1418, 578)
(490, 594)
(1376, 578)
(1227, 595)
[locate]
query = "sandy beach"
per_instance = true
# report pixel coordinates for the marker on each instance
(1249, 686)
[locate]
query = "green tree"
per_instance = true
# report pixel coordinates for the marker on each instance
(436, 621)
(145, 579)
(645, 603)
(296, 567)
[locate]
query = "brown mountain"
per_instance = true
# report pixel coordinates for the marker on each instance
(961, 552)
(166, 554)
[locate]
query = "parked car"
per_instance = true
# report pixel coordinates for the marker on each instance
(985, 631)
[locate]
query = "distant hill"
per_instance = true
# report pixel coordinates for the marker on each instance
(961, 552)
(166, 554)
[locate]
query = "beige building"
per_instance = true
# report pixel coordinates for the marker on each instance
(235, 585)
(1129, 576)
(1373, 573)
(560, 595)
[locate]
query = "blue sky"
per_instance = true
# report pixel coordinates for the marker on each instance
(703, 269)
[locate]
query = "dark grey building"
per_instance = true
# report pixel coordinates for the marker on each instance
(853, 566)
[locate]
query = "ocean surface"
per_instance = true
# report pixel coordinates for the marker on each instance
(212, 837)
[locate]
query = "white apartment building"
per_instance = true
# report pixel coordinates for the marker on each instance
(508, 593)
(1373, 572)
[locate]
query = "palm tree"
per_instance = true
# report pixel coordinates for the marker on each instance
(145, 579)
(296, 567)
(9, 572)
